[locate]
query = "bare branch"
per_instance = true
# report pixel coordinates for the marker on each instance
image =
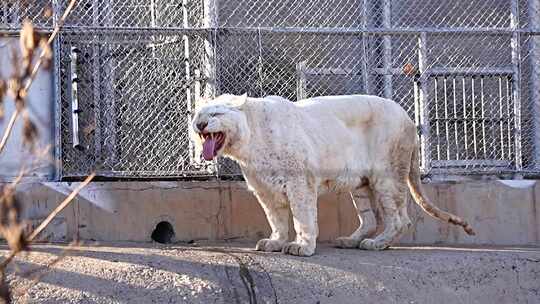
(51, 38)
(7, 132)
(35, 69)
(60, 207)
(49, 218)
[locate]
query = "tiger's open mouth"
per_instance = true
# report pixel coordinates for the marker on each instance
(212, 143)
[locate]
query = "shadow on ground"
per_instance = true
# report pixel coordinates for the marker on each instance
(233, 273)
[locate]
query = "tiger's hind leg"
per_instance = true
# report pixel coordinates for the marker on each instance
(362, 201)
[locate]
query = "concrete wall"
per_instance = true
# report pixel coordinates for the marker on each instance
(40, 102)
(112, 211)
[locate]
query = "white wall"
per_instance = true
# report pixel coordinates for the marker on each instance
(40, 101)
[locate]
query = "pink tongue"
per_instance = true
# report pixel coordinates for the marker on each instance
(208, 148)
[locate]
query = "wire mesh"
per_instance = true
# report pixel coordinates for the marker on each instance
(467, 72)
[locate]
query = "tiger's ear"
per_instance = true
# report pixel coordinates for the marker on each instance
(242, 99)
(201, 102)
(239, 101)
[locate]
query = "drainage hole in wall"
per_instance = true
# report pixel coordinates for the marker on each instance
(163, 233)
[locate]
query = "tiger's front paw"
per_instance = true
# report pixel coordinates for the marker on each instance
(269, 245)
(294, 248)
(373, 244)
(347, 242)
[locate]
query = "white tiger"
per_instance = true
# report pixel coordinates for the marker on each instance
(292, 152)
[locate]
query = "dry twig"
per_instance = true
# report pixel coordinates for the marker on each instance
(24, 73)
(29, 44)
(60, 207)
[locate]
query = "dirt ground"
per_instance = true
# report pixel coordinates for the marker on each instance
(230, 272)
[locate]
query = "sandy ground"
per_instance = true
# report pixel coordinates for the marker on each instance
(232, 273)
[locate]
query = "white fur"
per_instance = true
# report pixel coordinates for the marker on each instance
(290, 153)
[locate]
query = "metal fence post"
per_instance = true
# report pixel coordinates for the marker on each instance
(423, 103)
(365, 64)
(387, 44)
(516, 81)
(189, 105)
(109, 102)
(210, 22)
(57, 98)
(260, 63)
(210, 57)
(301, 80)
(96, 78)
(534, 61)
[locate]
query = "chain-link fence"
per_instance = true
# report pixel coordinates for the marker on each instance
(467, 71)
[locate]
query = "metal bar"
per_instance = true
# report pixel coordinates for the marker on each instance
(110, 101)
(189, 105)
(210, 56)
(417, 120)
(96, 77)
(301, 80)
(501, 124)
(416, 95)
(474, 119)
(153, 19)
(74, 100)
(464, 101)
(260, 64)
(329, 71)
(313, 30)
(534, 80)
(455, 117)
(466, 163)
(446, 123)
(472, 71)
(508, 111)
(423, 99)
(479, 120)
(284, 30)
(365, 64)
(57, 68)
(482, 101)
(437, 127)
(387, 49)
(516, 81)
(153, 23)
(195, 157)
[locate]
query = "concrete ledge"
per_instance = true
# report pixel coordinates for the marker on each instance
(129, 211)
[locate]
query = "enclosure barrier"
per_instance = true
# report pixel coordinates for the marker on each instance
(466, 71)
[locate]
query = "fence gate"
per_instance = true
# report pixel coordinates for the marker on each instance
(126, 91)
(470, 122)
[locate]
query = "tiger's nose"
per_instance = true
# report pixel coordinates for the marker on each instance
(201, 126)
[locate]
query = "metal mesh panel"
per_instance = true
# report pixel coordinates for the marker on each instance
(290, 13)
(134, 13)
(466, 71)
(12, 13)
(134, 113)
